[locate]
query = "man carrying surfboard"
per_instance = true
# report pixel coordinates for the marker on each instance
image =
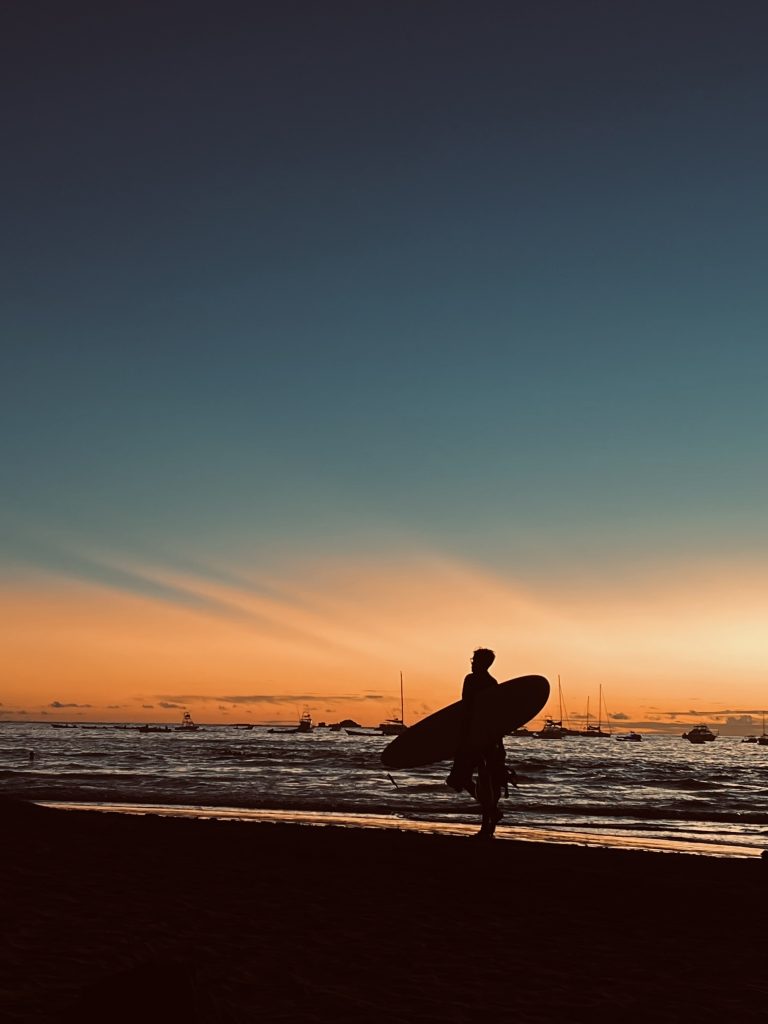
(470, 732)
(489, 762)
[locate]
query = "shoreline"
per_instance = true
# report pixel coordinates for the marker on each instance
(348, 820)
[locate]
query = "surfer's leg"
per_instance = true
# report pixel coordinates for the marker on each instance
(488, 794)
(491, 817)
(498, 814)
(484, 793)
(486, 829)
(497, 775)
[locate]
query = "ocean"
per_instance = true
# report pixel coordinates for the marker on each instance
(662, 793)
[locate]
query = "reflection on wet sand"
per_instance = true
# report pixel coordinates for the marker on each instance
(382, 821)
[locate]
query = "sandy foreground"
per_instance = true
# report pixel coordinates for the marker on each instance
(111, 918)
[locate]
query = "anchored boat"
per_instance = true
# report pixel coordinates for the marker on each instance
(187, 725)
(305, 724)
(395, 726)
(699, 734)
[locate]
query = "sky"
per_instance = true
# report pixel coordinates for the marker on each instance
(340, 339)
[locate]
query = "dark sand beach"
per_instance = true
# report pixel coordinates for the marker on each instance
(118, 918)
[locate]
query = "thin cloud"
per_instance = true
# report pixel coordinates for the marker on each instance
(651, 725)
(267, 698)
(222, 595)
(59, 704)
(711, 714)
(101, 571)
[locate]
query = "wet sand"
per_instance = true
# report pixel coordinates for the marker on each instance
(623, 840)
(117, 918)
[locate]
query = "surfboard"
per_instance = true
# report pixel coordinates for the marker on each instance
(497, 711)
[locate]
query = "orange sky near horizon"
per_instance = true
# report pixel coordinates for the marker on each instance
(335, 637)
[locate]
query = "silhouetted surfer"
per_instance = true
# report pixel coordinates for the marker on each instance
(489, 763)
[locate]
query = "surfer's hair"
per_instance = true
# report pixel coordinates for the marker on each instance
(484, 657)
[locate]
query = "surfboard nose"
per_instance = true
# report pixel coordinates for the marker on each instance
(541, 686)
(532, 693)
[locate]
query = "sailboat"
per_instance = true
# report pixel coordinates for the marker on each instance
(554, 729)
(395, 726)
(551, 730)
(595, 730)
(763, 740)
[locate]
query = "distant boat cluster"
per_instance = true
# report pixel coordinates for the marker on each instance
(555, 729)
(389, 727)
(187, 725)
(762, 739)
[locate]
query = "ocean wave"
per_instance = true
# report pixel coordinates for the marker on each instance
(691, 785)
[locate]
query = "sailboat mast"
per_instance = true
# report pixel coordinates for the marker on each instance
(402, 702)
(600, 708)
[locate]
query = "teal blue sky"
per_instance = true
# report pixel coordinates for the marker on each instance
(297, 280)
